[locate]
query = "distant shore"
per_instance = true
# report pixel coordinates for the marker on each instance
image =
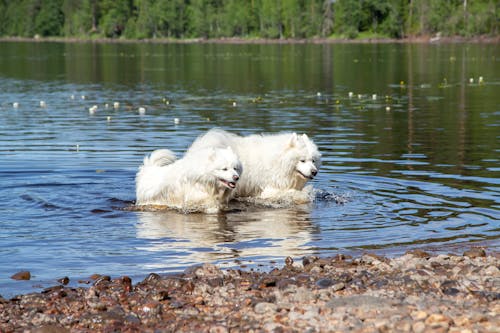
(239, 40)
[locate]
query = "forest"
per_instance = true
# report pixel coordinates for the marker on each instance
(273, 19)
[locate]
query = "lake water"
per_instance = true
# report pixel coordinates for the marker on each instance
(411, 159)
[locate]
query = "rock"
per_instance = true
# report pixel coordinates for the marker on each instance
(438, 319)
(64, 280)
(23, 275)
(338, 286)
(204, 271)
(51, 329)
(492, 271)
(303, 295)
(151, 278)
(315, 270)
(218, 329)
(265, 307)
(324, 283)
(475, 252)
(419, 254)
(359, 301)
(418, 327)
(419, 315)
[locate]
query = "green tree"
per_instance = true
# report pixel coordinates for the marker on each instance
(171, 18)
(482, 17)
(374, 12)
(141, 21)
(236, 18)
(3, 8)
(271, 25)
(20, 17)
(327, 25)
(115, 15)
(81, 17)
(49, 20)
(313, 18)
(348, 16)
(290, 16)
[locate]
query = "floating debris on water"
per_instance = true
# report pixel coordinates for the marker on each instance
(93, 109)
(142, 110)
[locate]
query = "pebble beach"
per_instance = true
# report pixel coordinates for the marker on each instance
(414, 292)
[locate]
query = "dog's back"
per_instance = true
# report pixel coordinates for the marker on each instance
(159, 157)
(270, 161)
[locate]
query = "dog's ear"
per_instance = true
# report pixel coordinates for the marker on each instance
(292, 142)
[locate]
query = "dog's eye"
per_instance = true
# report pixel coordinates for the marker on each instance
(303, 161)
(224, 169)
(314, 161)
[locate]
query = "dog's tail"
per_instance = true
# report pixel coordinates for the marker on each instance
(160, 157)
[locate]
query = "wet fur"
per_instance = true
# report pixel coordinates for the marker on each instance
(271, 163)
(197, 182)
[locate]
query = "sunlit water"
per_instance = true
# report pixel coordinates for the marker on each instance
(411, 159)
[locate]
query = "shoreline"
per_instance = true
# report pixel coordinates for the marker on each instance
(414, 292)
(242, 41)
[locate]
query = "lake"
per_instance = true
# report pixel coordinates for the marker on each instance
(409, 134)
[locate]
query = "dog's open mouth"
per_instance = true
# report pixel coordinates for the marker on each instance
(230, 185)
(304, 176)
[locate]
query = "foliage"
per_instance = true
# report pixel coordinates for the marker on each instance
(247, 18)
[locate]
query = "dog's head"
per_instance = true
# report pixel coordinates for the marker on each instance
(226, 167)
(306, 156)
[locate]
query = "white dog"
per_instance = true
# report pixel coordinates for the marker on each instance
(201, 181)
(277, 167)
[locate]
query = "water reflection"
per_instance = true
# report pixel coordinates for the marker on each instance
(255, 234)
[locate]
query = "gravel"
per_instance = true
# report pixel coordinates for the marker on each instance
(416, 292)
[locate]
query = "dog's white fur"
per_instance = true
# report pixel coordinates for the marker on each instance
(201, 181)
(277, 166)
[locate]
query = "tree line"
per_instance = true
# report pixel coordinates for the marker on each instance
(275, 19)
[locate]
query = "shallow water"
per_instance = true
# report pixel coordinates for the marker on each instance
(417, 165)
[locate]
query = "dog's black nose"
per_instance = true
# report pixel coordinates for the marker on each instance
(314, 172)
(236, 177)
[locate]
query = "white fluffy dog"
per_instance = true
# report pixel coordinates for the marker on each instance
(201, 181)
(277, 166)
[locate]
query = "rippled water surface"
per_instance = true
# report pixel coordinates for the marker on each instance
(410, 159)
